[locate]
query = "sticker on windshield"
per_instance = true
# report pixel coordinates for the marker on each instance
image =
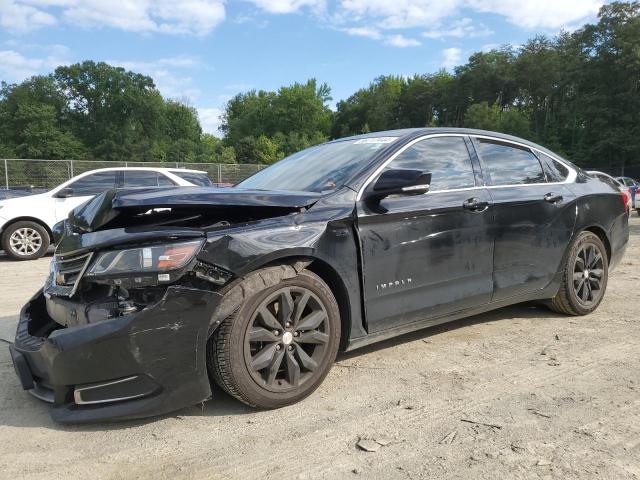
(375, 140)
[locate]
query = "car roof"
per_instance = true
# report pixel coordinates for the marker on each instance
(405, 133)
(150, 169)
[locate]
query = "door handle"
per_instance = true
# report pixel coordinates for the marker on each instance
(475, 205)
(553, 197)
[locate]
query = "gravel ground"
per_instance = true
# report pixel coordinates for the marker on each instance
(515, 393)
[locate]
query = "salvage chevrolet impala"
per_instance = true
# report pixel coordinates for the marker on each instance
(154, 295)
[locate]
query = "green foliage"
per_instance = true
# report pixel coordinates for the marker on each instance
(263, 127)
(577, 93)
(485, 117)
(214, 150)
(482, 116)
(95, 111)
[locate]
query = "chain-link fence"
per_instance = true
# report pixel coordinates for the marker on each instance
(40, 175)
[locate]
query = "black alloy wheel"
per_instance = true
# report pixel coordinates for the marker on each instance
(588, 273)
(585, 276)
(287, 339)
(280, 344)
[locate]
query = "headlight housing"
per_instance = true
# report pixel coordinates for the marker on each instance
(145, 260)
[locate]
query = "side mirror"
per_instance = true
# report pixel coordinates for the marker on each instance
(64, 193)
(399, 182)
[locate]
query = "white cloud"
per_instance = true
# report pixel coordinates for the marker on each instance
(170, 83)
(195, 17)
(210, 120)
(539, 13)
(440, 18)
(15, 66)
(396, 40)
(403, 14)
(19, 17)
(451, 57)
(487, 47)
(288, 6)
(367, 32)
(401, 41)
(463, 28)
(397, 14)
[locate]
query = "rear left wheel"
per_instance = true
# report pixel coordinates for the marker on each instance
(279, 345)
(585, 276)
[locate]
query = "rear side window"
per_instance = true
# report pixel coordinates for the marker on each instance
(446, 158)
(140, 178)
(556, 171)
(199, 179)
(509, 164)
(93, 184)
(164, 181)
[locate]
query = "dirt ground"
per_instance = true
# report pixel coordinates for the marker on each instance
(516, 393)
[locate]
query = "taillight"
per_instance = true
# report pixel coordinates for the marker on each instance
(625, 199)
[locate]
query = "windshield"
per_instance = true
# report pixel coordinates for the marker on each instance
(318, 169)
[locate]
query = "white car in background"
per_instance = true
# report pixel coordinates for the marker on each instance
(26, 222)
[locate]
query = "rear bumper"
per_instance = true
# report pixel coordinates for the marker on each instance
(139, 365)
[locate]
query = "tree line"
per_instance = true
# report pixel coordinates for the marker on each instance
(576, 93)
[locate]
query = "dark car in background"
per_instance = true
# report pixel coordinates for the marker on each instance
(6, 193)
(154, 294)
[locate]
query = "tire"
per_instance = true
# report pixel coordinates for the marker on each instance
(253, 356)
(583, 287)
(25, 240)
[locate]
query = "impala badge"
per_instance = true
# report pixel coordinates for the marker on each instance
(394, 284)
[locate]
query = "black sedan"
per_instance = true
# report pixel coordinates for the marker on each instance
(155, 294)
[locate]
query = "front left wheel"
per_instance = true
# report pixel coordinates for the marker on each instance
(279, 345)
(25, 240)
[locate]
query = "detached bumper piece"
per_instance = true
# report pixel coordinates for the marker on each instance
(147, 363)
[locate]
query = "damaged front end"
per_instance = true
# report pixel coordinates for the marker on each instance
(120, 328)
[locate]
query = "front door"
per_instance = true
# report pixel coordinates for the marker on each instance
(427, 255)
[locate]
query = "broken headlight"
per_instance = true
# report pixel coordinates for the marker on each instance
(154, 260)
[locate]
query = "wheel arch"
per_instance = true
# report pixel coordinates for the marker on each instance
(334, 281)
(602, 235)
(293, 261)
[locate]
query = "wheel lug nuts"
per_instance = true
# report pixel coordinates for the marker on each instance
(290, 347)
(296, 334)
(287, 325)
(278, 347)
(276, 332)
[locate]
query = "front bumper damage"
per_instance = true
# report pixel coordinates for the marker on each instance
(142, 364)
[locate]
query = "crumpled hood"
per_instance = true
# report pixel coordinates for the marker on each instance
(105, 208)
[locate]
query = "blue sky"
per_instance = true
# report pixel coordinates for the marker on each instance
(205, 51)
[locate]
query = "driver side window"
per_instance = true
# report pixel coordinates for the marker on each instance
(446, 158)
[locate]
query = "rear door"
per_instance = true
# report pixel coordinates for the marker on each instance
(534, 215)
(427, 255)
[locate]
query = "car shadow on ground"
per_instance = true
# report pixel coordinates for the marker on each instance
(5, 258)
(35, 413)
